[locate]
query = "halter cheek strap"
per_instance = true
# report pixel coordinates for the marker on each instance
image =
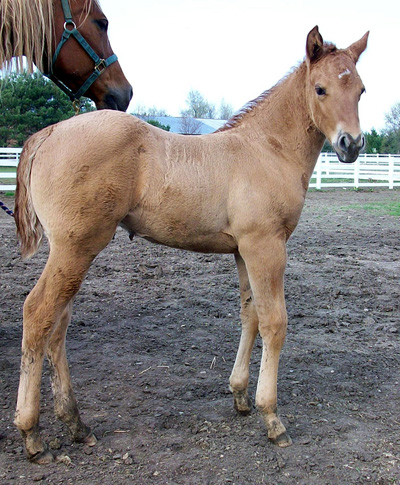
(100, 65)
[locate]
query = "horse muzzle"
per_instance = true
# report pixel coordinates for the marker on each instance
(117, 99)
(348, 148)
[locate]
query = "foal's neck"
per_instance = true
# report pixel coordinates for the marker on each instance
(281, 119)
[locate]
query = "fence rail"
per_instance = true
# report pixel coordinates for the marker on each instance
(9, 158)
(370, 170)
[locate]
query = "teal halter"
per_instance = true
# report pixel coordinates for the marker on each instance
(100, 65)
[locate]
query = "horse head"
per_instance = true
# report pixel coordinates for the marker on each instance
(334, 89)
(73, 64)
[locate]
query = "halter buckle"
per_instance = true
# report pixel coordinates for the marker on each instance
(77, 106)
(100, 66)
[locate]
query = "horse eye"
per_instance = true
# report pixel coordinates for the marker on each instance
(363, 90)
(320, 90)
(102, 24)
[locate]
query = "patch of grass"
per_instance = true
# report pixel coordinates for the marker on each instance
(8, 169)
(12, 171)
(313, 180)
(380, 208)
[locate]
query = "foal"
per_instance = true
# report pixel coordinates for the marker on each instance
(239, 190)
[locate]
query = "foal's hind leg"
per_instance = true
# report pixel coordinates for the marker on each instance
(240, 373)
(65, 405)
(43, 310)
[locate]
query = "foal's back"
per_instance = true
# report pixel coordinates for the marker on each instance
(199, 193)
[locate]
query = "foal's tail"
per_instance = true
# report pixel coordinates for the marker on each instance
(29, 228)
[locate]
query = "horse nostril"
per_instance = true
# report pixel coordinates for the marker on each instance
(343, 143)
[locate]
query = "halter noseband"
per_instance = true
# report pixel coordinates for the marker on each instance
(100, 65)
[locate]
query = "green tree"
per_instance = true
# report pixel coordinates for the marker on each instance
(327, 147)
(30, 102)
(159, 125)
(391, 141)
(391, 133)
(374, 141)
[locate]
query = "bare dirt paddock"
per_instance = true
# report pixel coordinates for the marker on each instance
(153, 340)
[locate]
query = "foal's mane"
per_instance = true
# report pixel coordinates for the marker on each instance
(249, 107)
(27, 29)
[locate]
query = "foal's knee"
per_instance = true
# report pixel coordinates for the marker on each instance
(274, 329)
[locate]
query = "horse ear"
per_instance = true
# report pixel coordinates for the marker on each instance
(356, 49)
(314, 45)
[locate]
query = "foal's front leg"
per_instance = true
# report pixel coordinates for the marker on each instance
(265, 261)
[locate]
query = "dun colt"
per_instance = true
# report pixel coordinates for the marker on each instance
(239, 190)
(67, 41)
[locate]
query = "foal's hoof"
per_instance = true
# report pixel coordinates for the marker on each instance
(43, 458)
(242, 402)
(283, 440)
(90, 440)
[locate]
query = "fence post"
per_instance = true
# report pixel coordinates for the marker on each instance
(319, 173)
(391, 171)
(356, 173)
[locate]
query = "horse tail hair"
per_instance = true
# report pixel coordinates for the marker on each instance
(29, 228)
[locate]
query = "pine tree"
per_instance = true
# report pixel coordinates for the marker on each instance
(28, 103)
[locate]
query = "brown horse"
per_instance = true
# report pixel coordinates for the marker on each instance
(41, 30)
(239, 190)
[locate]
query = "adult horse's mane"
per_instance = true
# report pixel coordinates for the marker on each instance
(26, 29)
(249, 107)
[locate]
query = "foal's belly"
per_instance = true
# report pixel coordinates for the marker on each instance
(193, 235)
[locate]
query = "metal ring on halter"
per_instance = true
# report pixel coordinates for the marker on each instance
(70, 22)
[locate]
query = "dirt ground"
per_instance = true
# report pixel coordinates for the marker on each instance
(153, 340)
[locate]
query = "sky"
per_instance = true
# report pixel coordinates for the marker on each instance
(233, 50)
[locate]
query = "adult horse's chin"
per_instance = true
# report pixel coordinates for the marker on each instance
(115, 99)
(348, 148)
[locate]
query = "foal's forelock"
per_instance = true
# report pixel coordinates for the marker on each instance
(26, 29)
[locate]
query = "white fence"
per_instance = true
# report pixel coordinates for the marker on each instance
(9, 158)
(370, 170)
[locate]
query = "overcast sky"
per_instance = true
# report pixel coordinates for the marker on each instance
(236, 49)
